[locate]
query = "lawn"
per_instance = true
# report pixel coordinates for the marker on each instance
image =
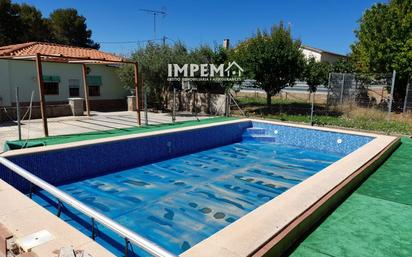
(375, 220)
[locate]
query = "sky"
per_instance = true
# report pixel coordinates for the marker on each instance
(120, 26)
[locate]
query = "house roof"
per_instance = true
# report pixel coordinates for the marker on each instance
(321, 51)
(32, 48)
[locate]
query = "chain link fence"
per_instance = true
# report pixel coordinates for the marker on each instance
(407, 106)
(349, 99)
(347, 90)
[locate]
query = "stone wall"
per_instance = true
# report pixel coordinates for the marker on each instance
(205, 102)
(8, 113)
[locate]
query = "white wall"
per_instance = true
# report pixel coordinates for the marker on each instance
(320, 57)
(309, 54)
(20, 73)
(4, 83)
(330, 58)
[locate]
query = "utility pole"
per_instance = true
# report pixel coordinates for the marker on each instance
(154, 13)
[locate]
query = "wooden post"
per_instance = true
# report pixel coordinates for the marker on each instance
(86, 88)
(136, 87)
(41, 94)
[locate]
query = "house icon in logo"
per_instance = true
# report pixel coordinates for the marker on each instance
(233, 69)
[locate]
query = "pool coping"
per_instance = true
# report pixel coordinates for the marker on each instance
(259, 234)
(21, 216)
(254, 233)
(79, 144)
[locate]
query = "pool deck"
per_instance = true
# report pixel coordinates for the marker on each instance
(376, 220)
(98, 122)
(22, 217)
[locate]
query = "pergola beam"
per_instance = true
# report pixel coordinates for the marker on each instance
(39, 58)
(40, 84)
(67, 59)
(86, 88)
(136, 88)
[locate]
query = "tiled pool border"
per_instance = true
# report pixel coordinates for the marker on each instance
(254, 233)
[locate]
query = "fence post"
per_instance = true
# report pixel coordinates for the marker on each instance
(18, 111)
(341, 90)
(145, 106)
(391, 95)
(174, 105)
(327, 96)
(311, 108)
(406, 96)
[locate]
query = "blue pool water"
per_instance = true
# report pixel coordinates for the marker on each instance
(179, 188)
(181, 201)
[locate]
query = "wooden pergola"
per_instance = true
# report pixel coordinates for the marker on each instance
(39, 58)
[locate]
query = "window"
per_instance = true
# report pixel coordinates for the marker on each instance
(94, 83)
(94, 90)
(51, 88)
(74, 87)
(74, 92)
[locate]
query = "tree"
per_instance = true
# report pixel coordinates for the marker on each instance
(35, 27)
(273, 59)
(153, 60)
(316, 73)
(10, 23)
(217, 55)
(343, 65)
(24, 23)
(384, 41)
(68, 27)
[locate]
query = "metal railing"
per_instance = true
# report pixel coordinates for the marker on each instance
(128, 235)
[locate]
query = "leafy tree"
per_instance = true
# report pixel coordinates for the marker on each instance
(35, 27)
(24, 23)
(68, 27)
(153, 60)
(343, 65)
(273, 59)
(316, 73)
(10, 23)
(206, 54)
(384, 41)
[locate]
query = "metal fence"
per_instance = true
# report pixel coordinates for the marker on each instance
(351, 89)
(351, 96)
(407, 106)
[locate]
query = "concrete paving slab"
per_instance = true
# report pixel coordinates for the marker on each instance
(98, 121)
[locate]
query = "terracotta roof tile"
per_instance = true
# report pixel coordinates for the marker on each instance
(32, 48)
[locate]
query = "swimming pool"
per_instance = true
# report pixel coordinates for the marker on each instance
(181, 187)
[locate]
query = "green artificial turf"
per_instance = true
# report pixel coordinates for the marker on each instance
(376, 220)
(54, 140)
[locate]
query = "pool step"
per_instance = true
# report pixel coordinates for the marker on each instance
(263, 138)
(257, 134)
(256, 131)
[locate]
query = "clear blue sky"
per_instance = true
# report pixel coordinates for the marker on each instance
(325, 24)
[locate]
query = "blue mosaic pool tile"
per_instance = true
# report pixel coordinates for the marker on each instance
(332, 142)
(73, 164)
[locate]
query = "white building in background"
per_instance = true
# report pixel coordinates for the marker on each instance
(62, 80)
(321, 55)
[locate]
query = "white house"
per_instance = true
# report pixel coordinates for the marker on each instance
(62, 80)
(321, 55)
